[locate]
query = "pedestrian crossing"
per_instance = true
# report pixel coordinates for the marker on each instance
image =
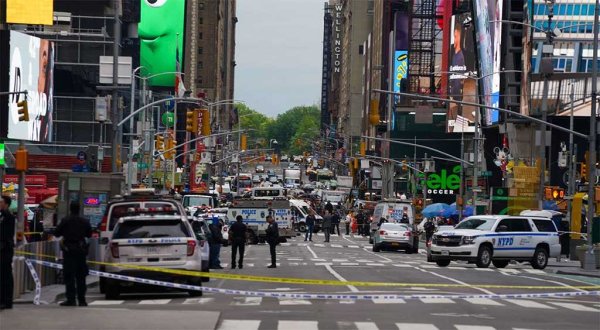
(228, 324)
(261, 301)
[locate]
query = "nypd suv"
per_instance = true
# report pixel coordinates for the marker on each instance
(497, 239)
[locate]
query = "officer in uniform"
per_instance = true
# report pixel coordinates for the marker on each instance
(7, 245)
(273, 239)
(74, 230)
(237, 237)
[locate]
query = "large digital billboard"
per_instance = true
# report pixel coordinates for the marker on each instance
(161, 31)
(38, 12)
(31, 69)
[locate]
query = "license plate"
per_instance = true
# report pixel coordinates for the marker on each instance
(152, 249)
(395, 244)
(445, 252)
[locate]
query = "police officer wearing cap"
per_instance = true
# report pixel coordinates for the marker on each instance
(74, 230)
(237, 237)
(7, 246)
(272, 233)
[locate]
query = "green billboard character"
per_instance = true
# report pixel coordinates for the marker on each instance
(160, 29)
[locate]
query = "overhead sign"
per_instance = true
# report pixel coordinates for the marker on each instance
(168, 119)
(443, 182)
(35, 12)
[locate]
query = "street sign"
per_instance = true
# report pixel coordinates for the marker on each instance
(2, 153)
(154, 180)
(142, 166)
(170, 104)
(168, 119)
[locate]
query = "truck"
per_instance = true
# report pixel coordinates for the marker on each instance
(194, 201)
(292, 178)
(393, 211)
(344, 183)
(300, 210)
(255, 212)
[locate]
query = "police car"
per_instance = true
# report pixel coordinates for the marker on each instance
(152, 241)
(497, 239)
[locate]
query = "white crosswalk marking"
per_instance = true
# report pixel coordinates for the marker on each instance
(249, 265)
(402, 265)
(389, 301)
(483, 301)
(298, 325)
(454, 267)
(353, 246)
(416, 326)
(336, 246)
(436, 301)
(375, 264)
(246, 301)
(288, 302)
(473, 327)
(575, 307)
(106, 302)
(199, 301)
(428, 266)
(365, 326)
(510, 271)
(239, 325)
(528, 303)
(155, 302)
(349, 264)
(484, 269)
(339, 260)
(534, 271)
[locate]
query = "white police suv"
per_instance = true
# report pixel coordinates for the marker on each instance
(497, 239)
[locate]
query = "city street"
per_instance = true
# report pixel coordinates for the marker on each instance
(350, 259)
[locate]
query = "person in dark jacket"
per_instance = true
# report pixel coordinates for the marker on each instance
(360, 221)
(74, 231)
(329, 207)
(237, 237)
(327, 222)
(216, 239)
(7, 246)
(335, 223)
(310, 225)
(273, 239)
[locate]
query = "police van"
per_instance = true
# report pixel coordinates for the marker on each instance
(497, 239)
(254, 213)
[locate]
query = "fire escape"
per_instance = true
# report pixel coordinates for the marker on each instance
(422, 51)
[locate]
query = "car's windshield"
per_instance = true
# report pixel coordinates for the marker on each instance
(477, 224)
(196, 200)
(151, 229)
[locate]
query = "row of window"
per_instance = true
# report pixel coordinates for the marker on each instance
(565, 26)
(566, 64)
(565, 9)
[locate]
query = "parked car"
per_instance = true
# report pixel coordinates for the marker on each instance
(260, 169)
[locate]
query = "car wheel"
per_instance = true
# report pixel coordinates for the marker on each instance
(442, 263)
(500, 263)
(540, 258)
(112, 291)
(484, 257)
(376, 248)
(302, 228)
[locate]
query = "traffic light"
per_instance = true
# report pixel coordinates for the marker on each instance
(21, 163)
(191, 121)
(159, 143)
(205, 122)
(374, 112)
(23, 111)
(363, 148)
(554, 193)
(243, 142)
(404, 166)
(170, 145)
(583, 171)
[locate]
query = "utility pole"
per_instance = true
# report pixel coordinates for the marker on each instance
(546, 68)
(115, 93)
(475, 182)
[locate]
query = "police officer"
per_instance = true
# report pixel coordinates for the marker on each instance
(273, 239)
(74, 230)
(7, 244)
(237, 237)
(215, 241)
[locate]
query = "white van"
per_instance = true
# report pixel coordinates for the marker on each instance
(267, 193)
(393, 211)
(300, 210)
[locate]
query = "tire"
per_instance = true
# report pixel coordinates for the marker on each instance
(302, 227)
(540, 258)
(484, 257)
(442, 263)
(376, 248)
(112, 290)
(500, 263)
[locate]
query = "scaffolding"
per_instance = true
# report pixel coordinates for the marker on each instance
(425, 47)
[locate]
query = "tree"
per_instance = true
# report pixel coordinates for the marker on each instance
(286, 125)
(257, 122)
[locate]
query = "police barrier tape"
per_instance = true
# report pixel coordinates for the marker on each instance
(292, 280)
(324, 296)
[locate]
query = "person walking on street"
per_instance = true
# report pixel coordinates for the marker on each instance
(310, 225)
(273, 239)
(335, 223)
(429, 227)
(327, 222)
(74, 231)
(347, 221)
(329, 207)
(237, 237)
(7, 250)
(215, 241)
(360, 220)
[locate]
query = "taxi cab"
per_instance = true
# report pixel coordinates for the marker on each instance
(156, 241)
(497, 239)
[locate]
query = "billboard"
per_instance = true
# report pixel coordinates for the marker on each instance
(161, 33)
(31, 68)
(38, 12)
(400, 69)
(461, 66)
(488, 35)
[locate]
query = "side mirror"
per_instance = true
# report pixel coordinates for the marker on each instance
(502, 228)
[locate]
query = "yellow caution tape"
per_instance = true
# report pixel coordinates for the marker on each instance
(292, 280)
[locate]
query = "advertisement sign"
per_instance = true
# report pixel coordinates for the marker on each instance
(30, 180)
(37, 12)
(442, 185)
(161, 21)
(31, 69)
(2, 161)
(400, 69)
(462, 66)
(488, 46)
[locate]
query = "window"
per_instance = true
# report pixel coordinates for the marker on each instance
(200, 36)
(478, 224)
(201, 20)
(201, 5)
(200, 65)
(200, 50)
(544, 226)
(361, 50)
(514, 225)
(151, 229)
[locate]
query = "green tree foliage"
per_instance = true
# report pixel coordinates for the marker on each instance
(259, 123)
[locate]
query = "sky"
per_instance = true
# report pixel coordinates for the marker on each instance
(278, 54)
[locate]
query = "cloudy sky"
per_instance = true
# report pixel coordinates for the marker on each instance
(278, 53)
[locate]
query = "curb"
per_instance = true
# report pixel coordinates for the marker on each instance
(89, 285)
(562, 272)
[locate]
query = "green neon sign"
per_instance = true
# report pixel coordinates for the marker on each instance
(444, 181)
(2, 153)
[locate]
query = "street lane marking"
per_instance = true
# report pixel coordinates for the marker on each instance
(349, 264)
(317, 259)
(483, 301)
(289, 302)
(473, 327)
(355, 247)
(200, 301)
(155, 302)
(436, 301)
(107, 302)
(246, 301)
(340, 278)
(575, 307)
(250, 264)
(295, 259)
(375, 264)
(484, 269)
(403, 265)
(336, 246)
(239, 325)
(366, 326)
(298, 325)
(339, 260)
(416, 326)
(529, 304)
(534, 271)
(510, 271)
(323, 264)
(429, 266)
(454, 267)
(389, 301)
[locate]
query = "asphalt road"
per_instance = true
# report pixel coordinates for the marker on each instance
(351, 259)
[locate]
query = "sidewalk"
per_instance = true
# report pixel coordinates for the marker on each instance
(52, 293)
(568, 267)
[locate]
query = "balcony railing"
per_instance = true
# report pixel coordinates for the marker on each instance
(565, 90)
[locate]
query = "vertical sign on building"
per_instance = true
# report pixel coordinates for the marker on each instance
(325, 76)
(337, 38)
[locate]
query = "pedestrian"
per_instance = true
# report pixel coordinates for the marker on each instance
(7, 246)
(360, 220)
(335, 222)
(347, 221)
(215, 241)
(237, 237)
(327, 222)
(429, 227)
(329, 207)
(74, 231)
(310, 225)
(273, 239)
